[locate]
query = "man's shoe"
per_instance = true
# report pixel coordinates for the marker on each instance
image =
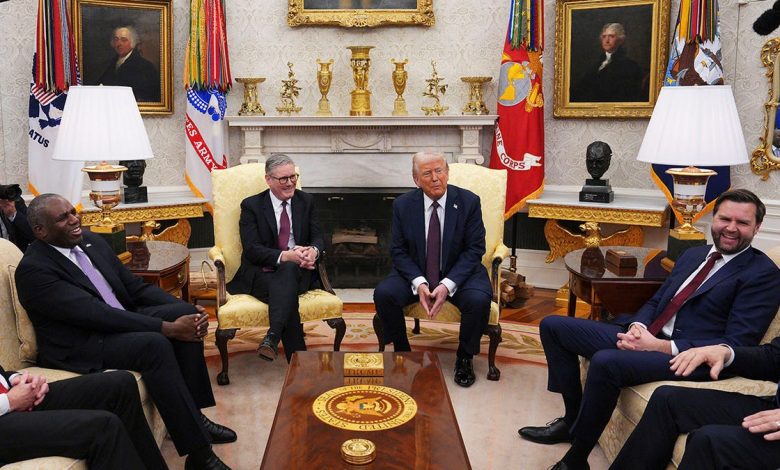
(219, 434)
(269, 348)
(561, 465)
(207, 460)
(555, 432)
(464, 372)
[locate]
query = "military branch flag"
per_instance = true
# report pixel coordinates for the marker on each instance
(207, 81)
(54, 70)
(518, 145)
(695, 59)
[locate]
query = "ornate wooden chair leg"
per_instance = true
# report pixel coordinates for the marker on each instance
(340, 326)
(378, 330)
(222, 338)
(494, 332)
(416, 329)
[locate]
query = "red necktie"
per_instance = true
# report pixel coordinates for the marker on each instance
(674, 305)
(433, 248)
(284, 228)
(3, 388)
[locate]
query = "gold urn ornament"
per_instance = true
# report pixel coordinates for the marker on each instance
(290, 91)
(476, 104)
(361, 96)
(400, 75)
(324, 79)
(251, 105)
(435, 90)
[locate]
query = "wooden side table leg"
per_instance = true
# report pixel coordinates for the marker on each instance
(571, 309)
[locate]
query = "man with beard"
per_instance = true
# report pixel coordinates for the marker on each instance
(722, 294)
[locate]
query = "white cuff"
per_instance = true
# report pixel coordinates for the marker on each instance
(637, 323)
(5, 406)
(731, 355)
(451, 286)
(675, 351)
(416, 283)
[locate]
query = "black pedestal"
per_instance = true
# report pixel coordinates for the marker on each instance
(677, 246)
(116, 240)
(135, 195)
(597, 190)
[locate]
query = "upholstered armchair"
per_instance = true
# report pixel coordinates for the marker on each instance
(490, 186)
(229, 187)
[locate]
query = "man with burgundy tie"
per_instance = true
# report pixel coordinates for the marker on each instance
(281, 240)
(91, 313)
(727, 293)
(726, 429)
(437, 247)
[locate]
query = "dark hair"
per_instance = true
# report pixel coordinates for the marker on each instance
(36, 211)
(737, 195)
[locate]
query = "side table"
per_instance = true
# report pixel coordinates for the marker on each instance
(164, 264)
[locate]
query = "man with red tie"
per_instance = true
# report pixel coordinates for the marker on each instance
(281, 239)
(726, 293)
(96, 417)
(437, 248)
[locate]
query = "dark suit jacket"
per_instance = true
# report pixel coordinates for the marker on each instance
(757, 362)
(260, 235)
(136, 72)
(463, 239)
(620, 80)
(69, 316)
(19, 231)
(734, 306)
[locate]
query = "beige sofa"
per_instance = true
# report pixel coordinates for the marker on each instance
(18, 352)
(633, 400)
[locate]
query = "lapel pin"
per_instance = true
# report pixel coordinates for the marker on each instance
(88, 245)
(455, 206)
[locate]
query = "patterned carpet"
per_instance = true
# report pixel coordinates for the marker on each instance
(520, 342)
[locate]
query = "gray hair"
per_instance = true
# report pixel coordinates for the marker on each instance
(36, 211)
(618, 28)
(277, 160)
(130, 29)
(426, 156)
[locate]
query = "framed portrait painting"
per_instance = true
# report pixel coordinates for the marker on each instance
(127, 43)
(610, 57)
(360, 13)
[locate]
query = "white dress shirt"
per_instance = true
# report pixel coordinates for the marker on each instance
(5, 405)
(277, 203)
(428, 206)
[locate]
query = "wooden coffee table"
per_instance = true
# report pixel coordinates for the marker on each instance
(430, 440)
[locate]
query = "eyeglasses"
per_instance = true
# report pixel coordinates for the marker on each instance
(286, 179)
(429, 174)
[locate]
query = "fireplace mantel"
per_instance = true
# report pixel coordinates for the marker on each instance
(456, 134)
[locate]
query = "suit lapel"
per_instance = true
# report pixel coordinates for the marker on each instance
(267, 208)
(731, 268)
(105, 268)
(450, 222)
(297, 218)
(679, 279)
(74, 271)
(418, 226)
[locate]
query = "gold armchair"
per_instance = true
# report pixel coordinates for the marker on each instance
(229, 188)
(490, 186)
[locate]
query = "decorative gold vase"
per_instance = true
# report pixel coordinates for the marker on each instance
(476, 105)
(399, 83)
(361, 97)
(324, 79)
(251, 105)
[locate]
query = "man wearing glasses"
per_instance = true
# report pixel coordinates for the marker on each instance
(281, 237)
(437, 248)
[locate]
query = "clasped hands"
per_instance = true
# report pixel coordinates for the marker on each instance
(27, 391)
(432, 301)
(303, 256)
(188, 327)
(638, 338)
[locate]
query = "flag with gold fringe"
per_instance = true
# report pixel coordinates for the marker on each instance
(54, 70)
(695, 60)
(207, 80)
(518, 145)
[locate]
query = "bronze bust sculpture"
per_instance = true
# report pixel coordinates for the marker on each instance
(597, 159)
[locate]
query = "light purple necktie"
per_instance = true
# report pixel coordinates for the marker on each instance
(97, 280)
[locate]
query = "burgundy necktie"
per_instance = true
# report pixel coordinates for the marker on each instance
(674, 305)
(433, 248)
(97, 280)
(3, 388)
(284, 228)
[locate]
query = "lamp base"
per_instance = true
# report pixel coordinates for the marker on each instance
(679, 242)
(135, 195)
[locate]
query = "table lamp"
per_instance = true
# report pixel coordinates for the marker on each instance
(692, 125)
(102, 123)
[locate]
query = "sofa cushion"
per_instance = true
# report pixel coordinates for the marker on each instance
(243, 310)
(28, 348)
(449, 313)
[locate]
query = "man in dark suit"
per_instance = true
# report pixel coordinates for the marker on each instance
(727, 293)
(726, 429)
(431, 266)
(97, 417)
(129, 68)
(281, 237)
(90, 313)
(13, 222)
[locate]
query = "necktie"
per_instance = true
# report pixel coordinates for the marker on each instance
(97, 280)
(3, 388)
(433, 248)
(674, 305)
(284, 228)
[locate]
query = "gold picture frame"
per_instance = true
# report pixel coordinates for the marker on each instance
(360, 13)
(148, 68)
(587, 84)
(766, 157)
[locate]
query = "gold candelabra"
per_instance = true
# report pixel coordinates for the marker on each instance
(476, 104)
(324, 79)
(435, 90)
(400, 75)
(251, 105)
(361, 97)
(290, 91)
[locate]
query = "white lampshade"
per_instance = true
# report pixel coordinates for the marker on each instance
(694, 125)
(101, 123)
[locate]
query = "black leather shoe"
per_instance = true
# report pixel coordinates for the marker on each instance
(561, 465)
(464, 372)
(269, 348)
(219, 434)
(556, 431)
(204, 461)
